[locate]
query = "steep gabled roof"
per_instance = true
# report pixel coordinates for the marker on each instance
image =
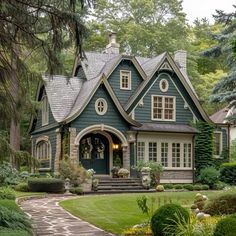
(61, 92)
(155, 65)
(69, 96)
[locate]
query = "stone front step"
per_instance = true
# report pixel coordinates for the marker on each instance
(119, 185)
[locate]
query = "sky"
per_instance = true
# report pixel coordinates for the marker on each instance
(205, 8)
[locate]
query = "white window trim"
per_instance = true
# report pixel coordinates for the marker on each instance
(160, 140)
(104, 109)
(129, 79)
(167, 85)
(221, 143)
(174, 105)
(45, 115)
(45, 139)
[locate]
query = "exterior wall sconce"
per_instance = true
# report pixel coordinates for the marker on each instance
(115, 146)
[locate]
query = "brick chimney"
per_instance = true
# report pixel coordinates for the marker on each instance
(113, 47)
(180, 57)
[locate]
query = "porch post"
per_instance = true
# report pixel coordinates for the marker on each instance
(126, 157)
(73, 146)
(58, 150)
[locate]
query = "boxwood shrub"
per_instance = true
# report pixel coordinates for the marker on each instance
(76, 190)
(228, 173)
(49, 185)
(188, 187)
(222, 204)
(168, 216)
(168, 186)
(226, 227)
(178, 186)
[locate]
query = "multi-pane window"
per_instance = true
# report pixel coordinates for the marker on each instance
(141, 151)
(125, 79)
(45, 109)
(175, 154)
(163, 108)
(187, 154)
(152, 150)
(164, 154)
(218, 144)
(43, 154)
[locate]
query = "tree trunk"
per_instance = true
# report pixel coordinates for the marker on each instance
(15, 118)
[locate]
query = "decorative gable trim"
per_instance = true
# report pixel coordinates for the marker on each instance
(166, 66)
(133, 60)
(114, 99)
(174, 67)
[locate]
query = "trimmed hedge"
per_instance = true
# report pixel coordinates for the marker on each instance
(167, 216)
(49, 185)
(220, 205)
(228, 173)
(226, 226)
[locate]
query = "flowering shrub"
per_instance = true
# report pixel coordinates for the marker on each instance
(138, 231)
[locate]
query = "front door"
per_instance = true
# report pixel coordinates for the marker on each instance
(94, 153)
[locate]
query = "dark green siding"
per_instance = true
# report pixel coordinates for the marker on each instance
(51, 119)
(114, 80)
(90, 117)
(52, 138)
(183, 115)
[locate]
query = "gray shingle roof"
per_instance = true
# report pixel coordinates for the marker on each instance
(61, 92)
(171, 128)
(67, 96)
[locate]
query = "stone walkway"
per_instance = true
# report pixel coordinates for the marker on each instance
(50, 219)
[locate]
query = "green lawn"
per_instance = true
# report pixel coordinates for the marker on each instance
(26, 194)
(114, 213)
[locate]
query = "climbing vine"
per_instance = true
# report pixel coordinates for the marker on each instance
(203, 146)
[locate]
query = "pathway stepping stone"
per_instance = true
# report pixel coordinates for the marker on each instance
(51, 219)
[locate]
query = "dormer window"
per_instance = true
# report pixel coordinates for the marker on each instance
(125, 79)
(45, 110)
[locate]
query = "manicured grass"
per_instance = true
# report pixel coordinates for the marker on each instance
(25, 194)
(115, 213)
(12, 232)
(10, 204)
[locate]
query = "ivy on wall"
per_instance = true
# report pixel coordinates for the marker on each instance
(203, 146)
(66, 142)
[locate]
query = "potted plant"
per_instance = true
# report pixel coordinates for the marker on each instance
(114, 171)
(123, 173)
(95, 183)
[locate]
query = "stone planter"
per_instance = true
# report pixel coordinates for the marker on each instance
(87, 186)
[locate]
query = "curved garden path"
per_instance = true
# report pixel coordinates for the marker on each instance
(51, 219)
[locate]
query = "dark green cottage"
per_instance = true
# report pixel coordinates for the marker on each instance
(119, 108)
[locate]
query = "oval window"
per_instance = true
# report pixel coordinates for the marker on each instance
(101, 106)
(164, 85)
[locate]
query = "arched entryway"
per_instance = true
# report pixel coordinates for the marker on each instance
(101, 147)
(94, 152)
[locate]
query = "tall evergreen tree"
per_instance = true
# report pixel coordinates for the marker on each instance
(28, 28)
(225, 90)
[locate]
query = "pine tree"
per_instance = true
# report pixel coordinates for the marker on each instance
(225, 90)
(28, 28)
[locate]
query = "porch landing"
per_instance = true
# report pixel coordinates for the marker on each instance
(108, 184)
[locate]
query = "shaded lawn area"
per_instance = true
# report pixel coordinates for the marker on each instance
(26, 194)
(115, 213)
